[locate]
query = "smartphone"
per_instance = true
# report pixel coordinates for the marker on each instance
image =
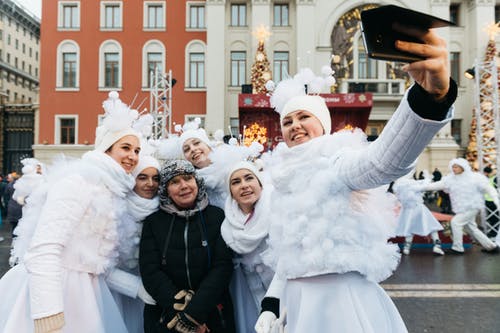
(379, 37)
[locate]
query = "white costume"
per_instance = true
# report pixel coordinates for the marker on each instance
(328, 237)
(414, 217)
(247, 236)
(72, 250)
(467, 191)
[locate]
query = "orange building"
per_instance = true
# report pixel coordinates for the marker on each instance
(91, 47)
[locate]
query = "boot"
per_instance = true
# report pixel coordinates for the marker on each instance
(406, 248)
(436, 249)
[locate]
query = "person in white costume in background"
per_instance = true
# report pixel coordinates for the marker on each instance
(414, 217)
(328, 235)
(245, 229)
(63, 283)
(466, 189)
(140, 203)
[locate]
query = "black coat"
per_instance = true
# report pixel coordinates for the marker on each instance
(204, 268)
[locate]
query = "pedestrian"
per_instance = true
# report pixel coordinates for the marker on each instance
(184, 262)
(414, 217)
(245, 229)
(61, 284)
(466, 189)
(329, 231)
(140, 203)
(492, 217)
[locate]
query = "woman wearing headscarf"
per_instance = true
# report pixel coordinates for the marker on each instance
(245, 230)
(329, 221)
(184, 262)
(61, 286)
(141, 202)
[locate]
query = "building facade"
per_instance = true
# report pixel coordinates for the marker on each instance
(19, 83)
(94, 46)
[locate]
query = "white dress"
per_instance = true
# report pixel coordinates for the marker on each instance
(328, 234)
(414, 217)
(73, 248)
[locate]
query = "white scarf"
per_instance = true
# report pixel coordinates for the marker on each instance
(114, 177)
(139, 207)
(243, 238)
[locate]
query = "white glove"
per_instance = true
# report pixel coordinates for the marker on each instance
(144, 296)
(265, 322)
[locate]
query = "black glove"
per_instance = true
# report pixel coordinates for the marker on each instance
(184, 323)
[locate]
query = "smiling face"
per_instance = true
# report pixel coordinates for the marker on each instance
(196, 152)
(126, 152)
(299, 127)
(147, 182)
(183, 190)
(457, 169)
(245, 189)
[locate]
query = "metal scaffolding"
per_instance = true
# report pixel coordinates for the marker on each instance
(161, 102)
(487, 127)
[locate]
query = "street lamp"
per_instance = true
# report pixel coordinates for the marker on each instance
(470, 73)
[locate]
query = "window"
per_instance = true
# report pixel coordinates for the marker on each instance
(238, 68)
(456, 130)
(154, 15)
(112, 70)
(454, 13)
(8, 39)
(69, 70)
(197, 16)
(8, 58)
(153, 55)
(24, 48)
(280, 65)
(280, 15)
(367, 67)
(30, 52)
(1, 34)
(238, 15)
(66, 130)
(196, 70)
(69, 15)
(110, 65)
(111, 15)
(455, 66)
(16, 43)
(154, 65)
(497, 13)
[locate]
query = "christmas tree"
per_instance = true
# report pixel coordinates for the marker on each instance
(487, 110)
(261, 72)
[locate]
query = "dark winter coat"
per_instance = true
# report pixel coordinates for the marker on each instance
(189, 263)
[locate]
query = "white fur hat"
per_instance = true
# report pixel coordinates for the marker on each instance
(243, 165)
(105, 138)
(198, 133)
(145, 162)
(461, 162)
(313, 104)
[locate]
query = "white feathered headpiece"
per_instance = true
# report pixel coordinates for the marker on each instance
(117, 122)
(301, 93)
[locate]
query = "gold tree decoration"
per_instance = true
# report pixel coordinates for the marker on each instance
(486, 106)
(261, 72)
(255, 133)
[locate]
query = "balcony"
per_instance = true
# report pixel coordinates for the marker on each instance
(381, 89)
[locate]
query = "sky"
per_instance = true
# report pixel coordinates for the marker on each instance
(34, 6)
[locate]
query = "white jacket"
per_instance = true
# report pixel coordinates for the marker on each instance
(77, 231)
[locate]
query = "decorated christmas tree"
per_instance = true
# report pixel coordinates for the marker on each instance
(487, 110)
(261, 72)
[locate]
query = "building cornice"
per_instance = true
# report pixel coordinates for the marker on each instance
(471, 4)
(9, 68)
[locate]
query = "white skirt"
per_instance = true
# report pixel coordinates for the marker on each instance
(340, 303)
(88, 304)
(417, 220)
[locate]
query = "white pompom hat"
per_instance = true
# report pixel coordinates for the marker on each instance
(145, 162)
(243, 165)
(461, 162)
(105, 138)
(198, 133)
(311, 103)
